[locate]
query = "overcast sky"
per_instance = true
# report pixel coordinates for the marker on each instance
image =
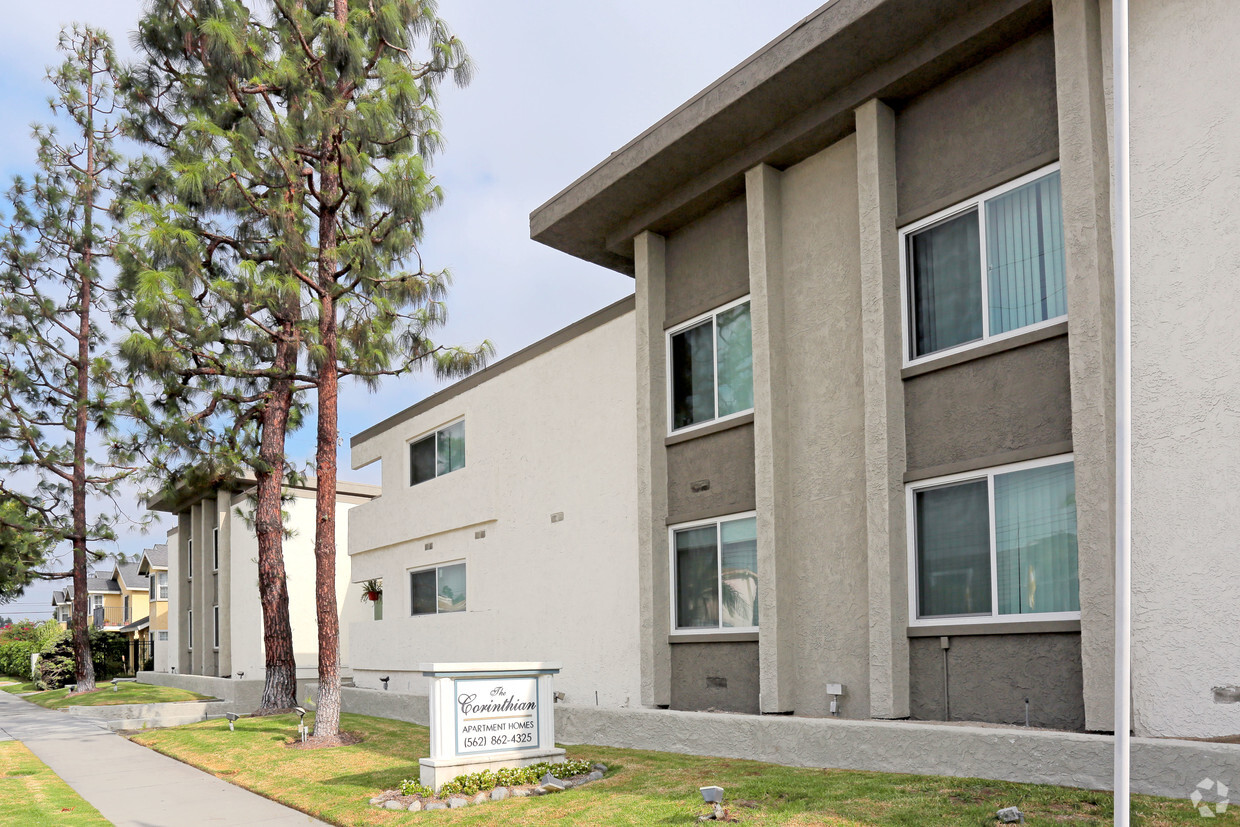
(559, 85)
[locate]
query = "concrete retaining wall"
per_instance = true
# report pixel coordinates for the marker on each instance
(242, 695)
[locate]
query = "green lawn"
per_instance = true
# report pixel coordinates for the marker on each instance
(127, 693)
(640, 788)
(32, 795)
(14, 685)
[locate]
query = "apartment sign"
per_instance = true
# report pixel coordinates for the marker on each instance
(496, 714)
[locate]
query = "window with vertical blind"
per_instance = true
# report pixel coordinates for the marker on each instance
(437, 590)
(710, 367)
(715, 574)
(997, 544)
(986, 268)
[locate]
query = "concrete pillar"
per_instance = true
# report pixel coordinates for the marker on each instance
(653, 555)
(196, 589)
(771, 437)
(1085, 171)
(223, 520)
(180, 595)
(882, 357)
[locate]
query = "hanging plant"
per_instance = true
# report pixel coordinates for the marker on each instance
(372, 590)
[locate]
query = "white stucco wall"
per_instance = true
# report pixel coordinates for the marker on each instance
(165, 649)
(1186, 365)
(556, 434)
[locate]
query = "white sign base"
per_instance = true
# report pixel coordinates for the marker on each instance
(485, 716)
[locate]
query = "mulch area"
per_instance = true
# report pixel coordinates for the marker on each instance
(344, 739)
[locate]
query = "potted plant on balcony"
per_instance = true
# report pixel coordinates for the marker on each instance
(372, 590)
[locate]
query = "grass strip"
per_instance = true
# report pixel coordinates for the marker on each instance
(126, 693)
(641, 787)
(31, 795)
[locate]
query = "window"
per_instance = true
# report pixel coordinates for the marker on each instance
(986, 268)
(189, 545)
(126, 609)
(437, 590)
(163, 585)
(190, 629)
(995, 544)
(96, 601)
(715, 571)
(163, 636)
(215, 626)
(215, 549)
(437, 454)
(710, 367)
(150, 586)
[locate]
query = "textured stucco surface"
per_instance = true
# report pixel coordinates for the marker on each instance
(555, 435)
(707, 262)
(1004, 402)
(725, 459)
(980, 123)
(715, 676)
(1186, 365)
(1159, 767)
(821, 341)
(989, 677)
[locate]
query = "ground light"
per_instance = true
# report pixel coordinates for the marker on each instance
(301, 722)
(232, 717)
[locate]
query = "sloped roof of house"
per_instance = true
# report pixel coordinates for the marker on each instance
(127, 573)
(60, 597)
(155, 557)
(141, 623)
(102, 584)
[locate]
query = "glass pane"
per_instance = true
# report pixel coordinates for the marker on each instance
(697, 579)
(422, 460)
(734, 346)
(693, 376)
(422, 592)
(452, 588)
(739, 562)
(946, 279)
(451, 448)
(1035, 533)
(1024, 256)
(953, 550)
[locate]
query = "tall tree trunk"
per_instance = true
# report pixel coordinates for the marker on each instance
(84, 662)
(280, 681)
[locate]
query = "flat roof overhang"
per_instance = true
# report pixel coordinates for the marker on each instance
(792, 98)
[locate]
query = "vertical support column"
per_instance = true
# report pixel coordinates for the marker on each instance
(776, 598)
(654, 577)
(882, 356)
(223, 519)
(1085, 172)
(197, 587)
(179, 583)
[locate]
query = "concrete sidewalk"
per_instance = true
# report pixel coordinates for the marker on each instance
(129, 784)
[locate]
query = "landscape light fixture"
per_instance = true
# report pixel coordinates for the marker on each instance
(231, 716)
(714, 797)
(559, 696)
(301, 722)
(385, 682)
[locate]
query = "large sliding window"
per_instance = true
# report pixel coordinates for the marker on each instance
(715, 566)
(437, 454)
(995, 544)
(710, 366)
(437, 590)
(986, 268)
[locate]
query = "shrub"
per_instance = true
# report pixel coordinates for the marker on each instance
(478, 782)
(56, 667)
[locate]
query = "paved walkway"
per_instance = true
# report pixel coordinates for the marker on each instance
(130, 784)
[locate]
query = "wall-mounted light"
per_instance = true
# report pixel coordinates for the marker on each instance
(559, 696)
(385, 682)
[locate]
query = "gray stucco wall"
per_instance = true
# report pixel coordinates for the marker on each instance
(725, 459)
(989, 677)
(715, 676)
(822, 341)
(707, 262)
(1004, 402)
(954, 139)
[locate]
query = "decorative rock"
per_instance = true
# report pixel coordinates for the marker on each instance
(538, 791)
(481, 798)
(393, 805)
(376, 802)
(456, 803)
(597, 775)
(1010, 815)
(499, 793)
(548, 778)
(557, 787)
(521, 792)
(599, 767)
(436, 805)
(415, 807)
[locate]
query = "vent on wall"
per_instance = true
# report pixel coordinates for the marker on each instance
(478, 535)
(699, 486)
(557, 517)
(716, 683)
(428, 546)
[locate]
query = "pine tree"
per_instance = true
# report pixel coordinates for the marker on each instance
(57, 385)
(25, 548)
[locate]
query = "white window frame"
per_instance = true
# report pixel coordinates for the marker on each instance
(215, 627)
(714, 344)
(189, 549)
(987, 474)
(713, 631)
(432, 434)
(410, 572)
(215, 549)
(190, 629)
(161, 635)
(151, 586)
(906, 297)
(162, 588)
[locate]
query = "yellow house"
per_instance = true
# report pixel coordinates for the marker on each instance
(154, 566)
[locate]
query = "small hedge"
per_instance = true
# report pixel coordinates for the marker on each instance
(479, 782)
